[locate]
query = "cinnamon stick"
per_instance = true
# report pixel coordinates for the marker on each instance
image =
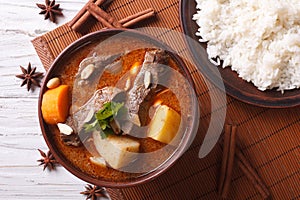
(83, 15)
(80, 13)
(227, 160)
(92, 8)
(243, 164)
(103, 16)
(110, 22)
(137, 17)
(224, 158)
(251, 174)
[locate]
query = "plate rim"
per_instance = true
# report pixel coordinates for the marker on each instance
(254, 99)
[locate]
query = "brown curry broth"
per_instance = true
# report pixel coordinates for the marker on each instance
(79, 156)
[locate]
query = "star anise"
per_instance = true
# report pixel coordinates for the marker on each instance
(93, 192)
(30, 77)
(50, 10)
(47, 160)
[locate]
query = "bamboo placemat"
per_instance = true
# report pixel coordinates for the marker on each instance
(270, 138)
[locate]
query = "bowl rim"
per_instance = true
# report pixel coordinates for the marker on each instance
(185, 143)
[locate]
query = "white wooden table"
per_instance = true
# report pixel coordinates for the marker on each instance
(20, 134)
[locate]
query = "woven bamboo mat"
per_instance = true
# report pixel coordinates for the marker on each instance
(270, 138)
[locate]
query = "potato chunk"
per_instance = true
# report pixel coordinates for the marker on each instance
(164, 125)
(98, 161)
(117, 151)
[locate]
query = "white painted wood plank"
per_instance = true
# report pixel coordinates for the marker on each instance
(19, 116)
(30, 182)
(20, 135)
(19, 24)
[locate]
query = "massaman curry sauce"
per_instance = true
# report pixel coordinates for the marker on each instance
(134, 53)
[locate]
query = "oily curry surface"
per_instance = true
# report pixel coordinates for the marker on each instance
(135, 52)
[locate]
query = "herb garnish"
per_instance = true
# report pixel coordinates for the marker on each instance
(103, 117)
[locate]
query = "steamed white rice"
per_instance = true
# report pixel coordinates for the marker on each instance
(260, 39)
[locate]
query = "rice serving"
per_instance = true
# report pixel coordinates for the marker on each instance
(260, 40)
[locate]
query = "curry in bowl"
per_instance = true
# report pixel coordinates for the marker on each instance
(117, 108)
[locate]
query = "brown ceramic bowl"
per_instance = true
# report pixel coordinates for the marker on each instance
(235, 86)
(55, 69)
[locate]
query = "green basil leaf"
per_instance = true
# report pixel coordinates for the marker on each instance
(103, 118)
(105, 112)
